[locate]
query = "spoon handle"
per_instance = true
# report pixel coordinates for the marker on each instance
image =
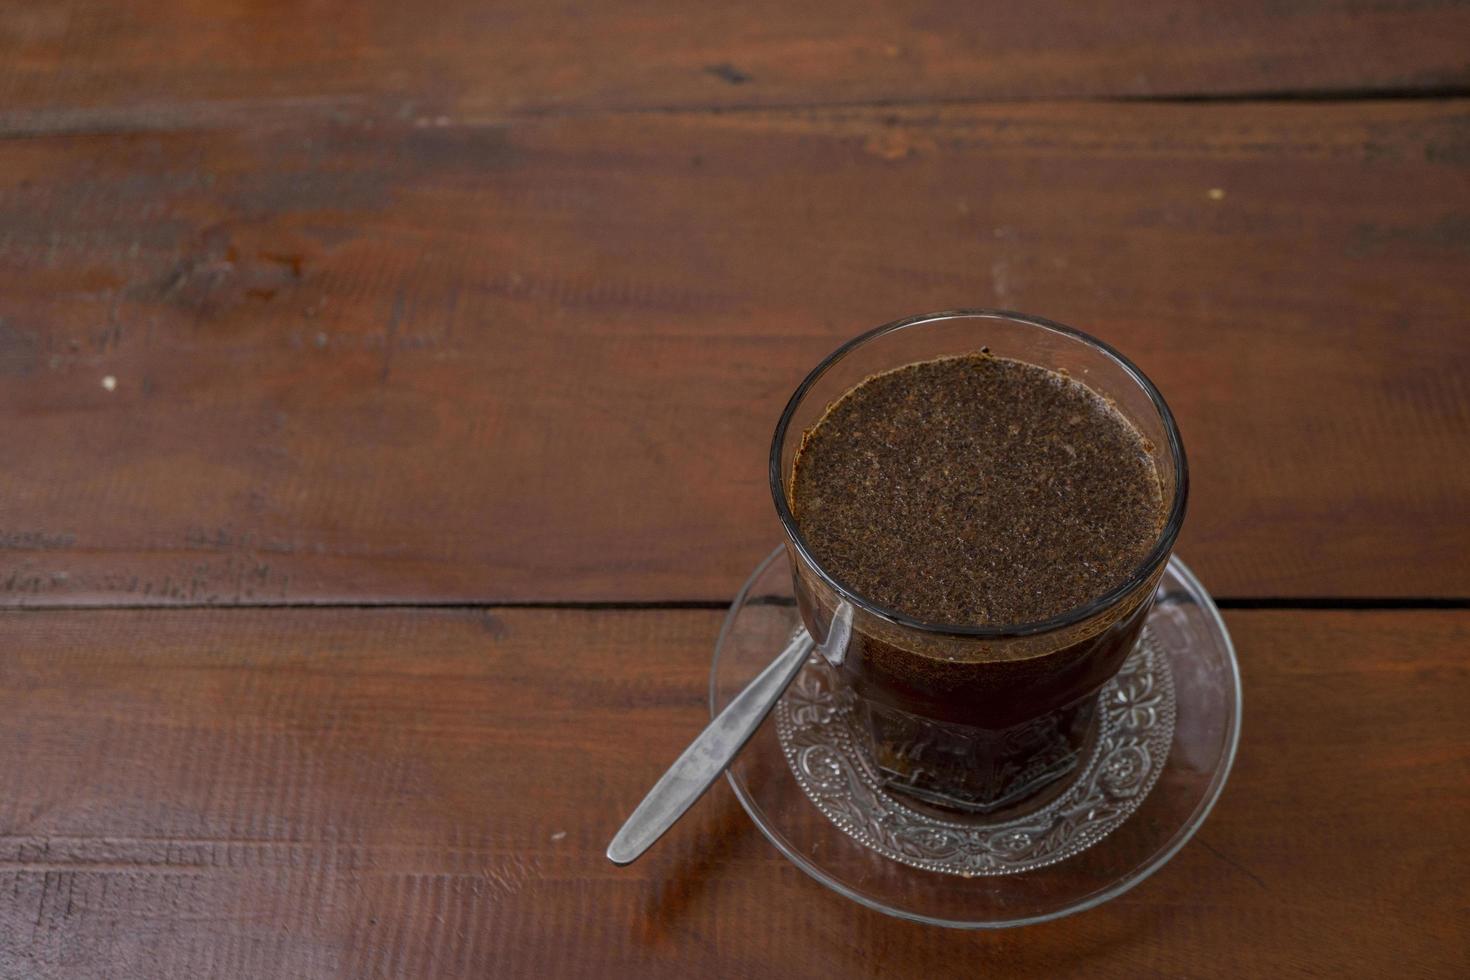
(708, 755)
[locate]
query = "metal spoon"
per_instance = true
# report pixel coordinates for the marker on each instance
(716, 747)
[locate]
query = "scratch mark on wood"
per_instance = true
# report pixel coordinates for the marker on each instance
(1000, 279)
(19, 350)
(393, 321)
(41, 904)
(26, 580)
(36, 540)
(727, 72)
(296, 263)
(1233, 863)
(55, 867)
(109, 337)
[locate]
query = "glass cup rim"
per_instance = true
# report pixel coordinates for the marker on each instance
(1159, 554)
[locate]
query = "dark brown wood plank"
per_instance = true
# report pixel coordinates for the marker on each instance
(246, 793)
(174, 62)
(543, 361)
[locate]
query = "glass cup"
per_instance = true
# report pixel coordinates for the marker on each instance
(982, 719)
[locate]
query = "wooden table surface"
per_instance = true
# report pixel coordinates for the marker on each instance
(386, 389)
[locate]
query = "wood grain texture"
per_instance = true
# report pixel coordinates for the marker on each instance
(542, 361)
(351, 793)
(135, 63)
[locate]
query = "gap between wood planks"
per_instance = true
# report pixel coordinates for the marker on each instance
(1245, 603)
(1319, 96)
(182, 116)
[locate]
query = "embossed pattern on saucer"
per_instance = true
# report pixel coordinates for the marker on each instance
(815, 724)
(1187, 636)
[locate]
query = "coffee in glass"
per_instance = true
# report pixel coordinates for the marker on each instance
(991, 498)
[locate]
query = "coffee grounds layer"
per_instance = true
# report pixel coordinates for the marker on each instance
(976, 491)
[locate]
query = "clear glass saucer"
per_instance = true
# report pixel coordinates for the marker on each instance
(808, 795)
